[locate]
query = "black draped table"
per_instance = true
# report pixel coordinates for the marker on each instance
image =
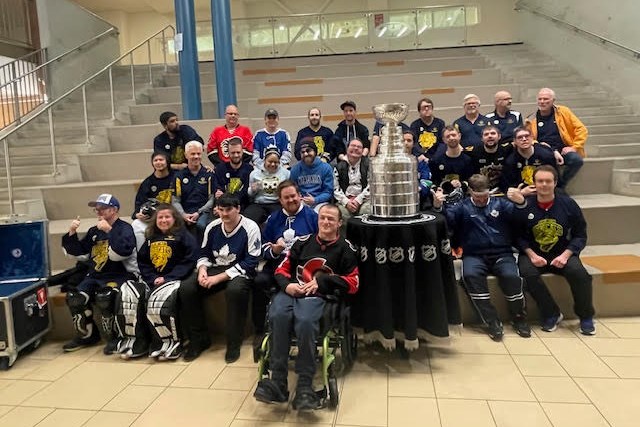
(407, 281)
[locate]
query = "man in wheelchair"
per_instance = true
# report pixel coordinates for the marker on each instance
(317, 266)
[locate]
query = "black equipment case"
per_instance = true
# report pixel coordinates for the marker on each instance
(24, 266)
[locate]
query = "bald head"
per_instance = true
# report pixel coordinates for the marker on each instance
(502, 100)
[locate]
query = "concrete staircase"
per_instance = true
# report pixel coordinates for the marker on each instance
(116, 157)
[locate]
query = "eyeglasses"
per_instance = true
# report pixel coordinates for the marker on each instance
(523, 137)
(426, 107)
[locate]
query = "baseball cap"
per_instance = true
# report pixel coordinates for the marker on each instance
(271, 149)
(271, 112)
(106, 200)
(348, 103)
(308, 144)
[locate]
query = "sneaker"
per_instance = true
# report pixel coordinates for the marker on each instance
(195, 349)
(270, 391)
(587, 327)
(232, 354)
(522, 328)
(550, 324)
(495, 330)
(77, 343)
(306, 399)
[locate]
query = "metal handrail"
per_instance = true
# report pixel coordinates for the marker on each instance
(48, 108)
(600, 39)
(25, 58)
(302, 15)
(33, 80)
(324, 47)
(62, 55)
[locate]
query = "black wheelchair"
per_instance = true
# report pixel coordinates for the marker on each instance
(337, 348)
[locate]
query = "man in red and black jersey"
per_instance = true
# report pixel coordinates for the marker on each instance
(318, 265)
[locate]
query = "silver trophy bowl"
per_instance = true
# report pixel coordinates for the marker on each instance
(393, 183)
(390, 114)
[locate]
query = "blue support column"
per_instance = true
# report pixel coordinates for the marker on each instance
(188, 60)
(223, 54)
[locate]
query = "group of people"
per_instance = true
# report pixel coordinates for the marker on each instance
(151, 299)
(198, 229)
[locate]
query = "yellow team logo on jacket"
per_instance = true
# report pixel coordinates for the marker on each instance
(160, 254)
(547, 233)
(164, 196)
(235, 185)
(426, 140)
(178, 156)
(100, 254)
(319, 144)
(527, 174)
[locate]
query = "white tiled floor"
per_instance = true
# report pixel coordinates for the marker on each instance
(558, 379)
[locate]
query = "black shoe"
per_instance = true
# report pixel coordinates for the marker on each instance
(495, 330)
(232, 354)
(270, 391)
(112, 346)
(195, 349)
(77, 343)
(522, 328)
(306, 399)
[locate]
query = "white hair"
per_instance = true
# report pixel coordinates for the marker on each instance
(470, 96)
(549, 91)
(191, 144)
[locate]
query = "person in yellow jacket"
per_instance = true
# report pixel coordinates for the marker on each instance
(560, 129)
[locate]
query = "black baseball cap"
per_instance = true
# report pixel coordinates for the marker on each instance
(348, 103)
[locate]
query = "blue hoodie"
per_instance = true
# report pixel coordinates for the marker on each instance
(316, 180)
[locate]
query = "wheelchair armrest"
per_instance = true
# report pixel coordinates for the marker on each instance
(336, 296)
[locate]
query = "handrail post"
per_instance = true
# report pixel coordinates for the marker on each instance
(86, 115)
(133, 77)
(113, 104)
(149, 55)
(16, 97)
(164, 51)
(52, 138)
(464, 15)
(7, 163)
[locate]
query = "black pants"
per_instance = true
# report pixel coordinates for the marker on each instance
(475, 269)
(577, 276)
(262, 285)
(258, 212)
(192, 296)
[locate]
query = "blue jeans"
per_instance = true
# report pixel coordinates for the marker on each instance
(476, 268)
(304, 314)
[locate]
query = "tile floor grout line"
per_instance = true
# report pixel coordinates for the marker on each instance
(433, 383)
(530, 389)
(576, 383)
(588, 397)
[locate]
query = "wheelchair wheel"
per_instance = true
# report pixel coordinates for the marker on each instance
(334, 395)
(348, 345)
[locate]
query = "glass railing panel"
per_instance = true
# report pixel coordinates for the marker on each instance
(345, 33)
(298, 36)
(442, 27)
(392, 30)
(253, 38)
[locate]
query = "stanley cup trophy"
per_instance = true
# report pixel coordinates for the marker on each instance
(393, 180)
